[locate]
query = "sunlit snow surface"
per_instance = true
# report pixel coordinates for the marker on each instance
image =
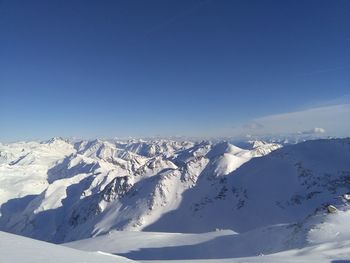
(17, 249)
(150, 247)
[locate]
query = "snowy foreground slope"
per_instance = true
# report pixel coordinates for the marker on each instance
(193, 248)
(320, 237)
(17, 249)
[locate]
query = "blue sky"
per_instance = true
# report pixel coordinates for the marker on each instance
(145, 68)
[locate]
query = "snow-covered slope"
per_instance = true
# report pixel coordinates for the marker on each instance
(17, 249)
(321, 237)
(24, 166)
(337, 252)
(287, 185)
(282, 187)
(220, 246)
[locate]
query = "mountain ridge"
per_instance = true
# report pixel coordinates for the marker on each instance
(84, 189)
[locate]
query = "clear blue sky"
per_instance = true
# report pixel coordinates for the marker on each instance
(141, 68)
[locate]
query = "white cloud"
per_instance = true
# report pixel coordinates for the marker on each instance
(253, 126)
(315, 130)
(334, 120)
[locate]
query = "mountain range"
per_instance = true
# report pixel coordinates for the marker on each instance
(269, 197)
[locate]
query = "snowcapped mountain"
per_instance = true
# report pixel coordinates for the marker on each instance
(24, 166)
(59, 191)
(284, 190)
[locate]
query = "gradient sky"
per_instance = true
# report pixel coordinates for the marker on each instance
(191, 67)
